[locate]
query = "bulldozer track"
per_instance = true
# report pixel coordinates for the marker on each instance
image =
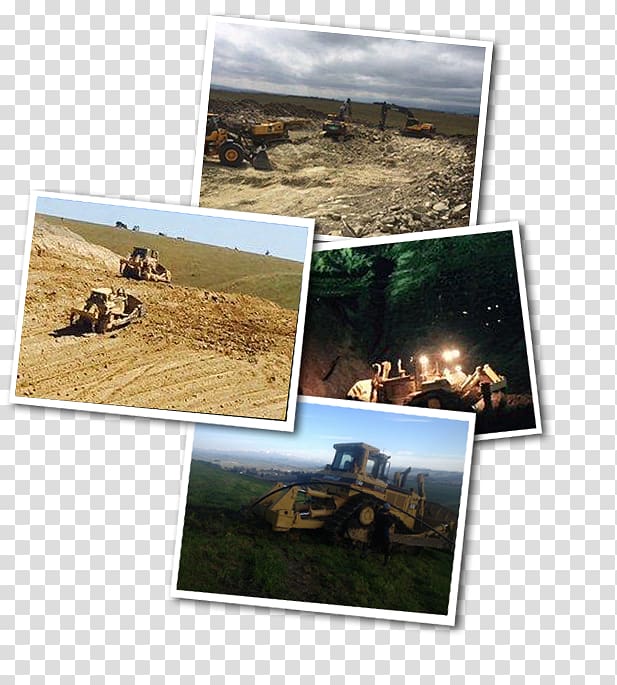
(336, 526)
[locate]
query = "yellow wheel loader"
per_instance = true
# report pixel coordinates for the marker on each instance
(345, 497)
(234, 146)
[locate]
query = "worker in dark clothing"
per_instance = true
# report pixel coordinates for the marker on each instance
(384, 114)
(382, 536)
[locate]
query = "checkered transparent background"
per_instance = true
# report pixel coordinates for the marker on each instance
(106, 104)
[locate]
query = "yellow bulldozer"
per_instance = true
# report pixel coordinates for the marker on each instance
(435, 381)
(143, 264)
(345, 497)
(106, 310)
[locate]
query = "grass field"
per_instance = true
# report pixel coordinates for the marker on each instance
(446, 123)
(226, 550)
(203, 266)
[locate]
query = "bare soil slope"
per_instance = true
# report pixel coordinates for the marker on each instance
(375, 183)
(194, 351)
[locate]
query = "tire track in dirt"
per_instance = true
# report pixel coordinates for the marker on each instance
(198, 352)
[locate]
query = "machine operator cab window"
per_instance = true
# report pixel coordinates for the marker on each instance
(377, 465)
(350, 458)
(345, 459)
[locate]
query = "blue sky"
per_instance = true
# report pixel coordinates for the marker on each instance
(423, 442)
(282, 240)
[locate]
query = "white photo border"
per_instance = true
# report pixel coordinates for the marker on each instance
(511, 227)
(285, 425)
(448, 619)
(212, 22)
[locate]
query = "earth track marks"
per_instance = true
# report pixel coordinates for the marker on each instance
(195, 351)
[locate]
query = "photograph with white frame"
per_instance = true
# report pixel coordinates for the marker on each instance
(162, 311)
(436, 319)
(369, 133)
(377, 532)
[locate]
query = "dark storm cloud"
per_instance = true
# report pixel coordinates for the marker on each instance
(333, 65)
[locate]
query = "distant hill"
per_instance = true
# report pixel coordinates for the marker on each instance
(228, 550)
(202, 266)
(442, 487)
(447, 123)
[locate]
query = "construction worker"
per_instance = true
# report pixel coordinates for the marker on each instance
(382, 536)
(384, 114)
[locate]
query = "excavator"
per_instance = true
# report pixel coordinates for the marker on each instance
(345, 497)
(413, 127)
(336, 125)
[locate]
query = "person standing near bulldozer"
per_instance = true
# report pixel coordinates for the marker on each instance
(382, 535)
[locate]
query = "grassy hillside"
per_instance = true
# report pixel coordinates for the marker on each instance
(226, 550)
(203, 266)
(446, 123)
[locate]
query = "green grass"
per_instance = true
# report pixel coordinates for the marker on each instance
(212, 486)
(445, 493)
(226, 550)
(447, 123)
(203, 266)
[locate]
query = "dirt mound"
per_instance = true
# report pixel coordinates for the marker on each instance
(53, 241)
(374, 183)
(194, 350)
(250, 111)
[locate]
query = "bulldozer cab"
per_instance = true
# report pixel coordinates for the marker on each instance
(142, 253)
(360, 459)
(100, 297)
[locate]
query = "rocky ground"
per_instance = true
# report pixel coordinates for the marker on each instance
(194, 351)
(375, 183)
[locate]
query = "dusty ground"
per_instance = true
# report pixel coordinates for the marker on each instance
(229, 354)
(376, 183)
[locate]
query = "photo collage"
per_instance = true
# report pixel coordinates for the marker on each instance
(327, 320)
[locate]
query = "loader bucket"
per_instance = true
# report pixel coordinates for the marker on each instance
(261, 161)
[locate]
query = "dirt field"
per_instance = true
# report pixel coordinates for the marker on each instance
(375, 183)
(219, 353)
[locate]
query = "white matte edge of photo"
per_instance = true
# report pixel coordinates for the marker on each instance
(286, 425)
(448, 619)
(212, 21)
(514, 229)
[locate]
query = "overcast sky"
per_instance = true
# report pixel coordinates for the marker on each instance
(437, 76)
(432, 442)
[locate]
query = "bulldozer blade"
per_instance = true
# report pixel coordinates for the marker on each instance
(261, 161)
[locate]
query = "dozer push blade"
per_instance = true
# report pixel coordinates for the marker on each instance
(261, 161)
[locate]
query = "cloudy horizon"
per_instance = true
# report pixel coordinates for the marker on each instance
(284, 61)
